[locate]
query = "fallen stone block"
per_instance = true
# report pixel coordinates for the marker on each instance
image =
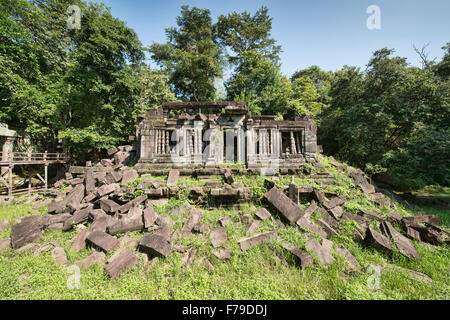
(428, 218)
(412, 233)
(79, 242)
(218, 237)
(293, 193)
(123, 262)
(90, 197)
(188, 257)
(108, 205)
(328, 218)
(247, 243)
(50, 219)
(327, 228)
(56, 207)
(172, 179)
(59, 255)
(75, 181)
(155, 244)
(394, 217)
(112, 151)
(322, 252)
(30, 247)
(107, 189)
(102, 240)
(403, 244)
(370, 215)
(128, 175)
(428, 235)
(338, 201)
(150, 217)
(285, 206)
(378, 241)
(253, 227)
(194, 218)
(263, 214)
(79, 216)
(222, 254)
(225, 220)
(122, 157)
(337, 212)
(75, 196)
(311, 227)
(367, 188)
(202, 228)
(228, 177)
(319, 197)
(132, 203)
(5, 244)
(362, 222)
(303, 257)
(349, 258)
(310, 210)
(95, 258)
(89, 181)
(127, 224)
(27, 231)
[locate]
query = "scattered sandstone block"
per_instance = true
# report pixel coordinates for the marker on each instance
(247, 243)
(59, 255)
(338, 201)
(128, 175)
(79, 216)
(150, 217)
(102, 240)
(107, 189)
(79, 242)
(429, 235)
(428, 218)
(123, 262)
(109, 206)
(303, 257)
(89, 181)
(285, 206)
(253, 227)
(156, 245)
(225, 220)
(127, 224)
(263, 214)
(322, 252)
(222, 254)
(413, 234)
(188, 257)
(95, 258)
(319, 197)
(194, 218)
(310, 210)
(361, 221)
(370, 215)
(218, 237)
(377, 240)
(327, 228)
(349, 258)
(311, 227)
(403, 244)
(228, 177)
(293, 193)
(27, 231)
(172, 179)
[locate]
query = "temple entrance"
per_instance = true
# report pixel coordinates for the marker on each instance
(230, 147)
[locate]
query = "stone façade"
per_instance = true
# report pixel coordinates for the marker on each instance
(208, 134)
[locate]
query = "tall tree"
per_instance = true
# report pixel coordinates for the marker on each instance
(191, 57)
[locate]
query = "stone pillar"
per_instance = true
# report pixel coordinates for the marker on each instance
(293, 150)
(7, 147)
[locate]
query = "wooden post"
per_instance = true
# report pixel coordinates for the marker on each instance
(10, 182)
(29, 183)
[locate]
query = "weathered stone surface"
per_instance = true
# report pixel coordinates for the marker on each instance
(310, 226)
(127, 224)
(361, 221)
(328, 218)
(112, 151)
(428, 218)
(337, 212)
(27, 231)
(56, 226)
(90, 197)
(108, 205)
(75, 181)
(376, 196)
(132, 203)
(377, 240)
(263, 214)
(218, 237)
(303, 257)
(133, 212)
(30, 247)
(338, 201)
(122, 157)
(96, 213)
(123, 262)
(3, 225)
(367, 188)
(285, 206)
(102, 240)
(128, 175)
(403, 244)
(59, 255)
(101, 223)
(79, 242)
(107, 189)
(247, 243)
(89, 181)
(349, 258)
(225, 220)
(370, 215)
(194, 217)
(172, 179)
(56, 207)
(428, 235)
(95, 258)
(293, 193)
(319, 197)
(222, 254)
(202, 227)
(156, 245)
(412, 233)
(79, 216)
(327, 228)
(310, 210)
(74, 197)
(5, 244)
(228, 177)
(322, 252)
(150, 217)
(106, 162)
(394, 217)
(50, 219)
(253, 227)
(188, 257)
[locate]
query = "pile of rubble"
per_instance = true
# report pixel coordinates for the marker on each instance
(95, 202)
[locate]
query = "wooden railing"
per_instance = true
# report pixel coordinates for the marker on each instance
(32, 157)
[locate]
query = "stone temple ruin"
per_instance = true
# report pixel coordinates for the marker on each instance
(207, 134)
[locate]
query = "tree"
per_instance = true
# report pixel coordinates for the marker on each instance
(191, 57)
(320, 79)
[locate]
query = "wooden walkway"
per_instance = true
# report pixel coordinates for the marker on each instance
(11, 159)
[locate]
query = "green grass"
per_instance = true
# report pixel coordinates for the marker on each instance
(263, 272)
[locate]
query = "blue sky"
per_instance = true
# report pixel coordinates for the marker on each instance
(327, 33)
